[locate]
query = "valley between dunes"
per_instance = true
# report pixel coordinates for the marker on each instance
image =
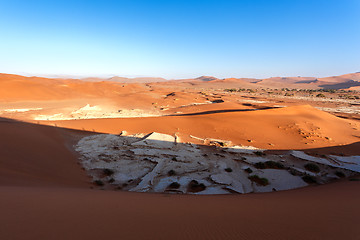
(45, 192)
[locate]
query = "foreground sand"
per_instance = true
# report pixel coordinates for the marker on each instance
(45, 195)
(322, 212)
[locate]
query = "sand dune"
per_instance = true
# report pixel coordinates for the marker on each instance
(33, 155)
(286, 128)
(36, 88)
(324, 212)
(16, 88)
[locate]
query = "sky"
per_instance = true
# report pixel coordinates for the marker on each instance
(180, 38)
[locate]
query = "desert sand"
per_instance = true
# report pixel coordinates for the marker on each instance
(47, 191)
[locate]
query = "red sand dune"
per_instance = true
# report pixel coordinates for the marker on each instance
(35, 155)
(16, 88)
(284, 128)
(323, 212)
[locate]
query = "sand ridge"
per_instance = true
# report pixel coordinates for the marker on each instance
(286, 128)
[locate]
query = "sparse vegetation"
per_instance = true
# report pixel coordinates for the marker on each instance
(248, 170)
(354, 179)
(274, 165)
(230, 90)
(258, 180)
(174, 185)
(259, 153)
(171, 173)
(99, 183)
(340, 174)
(108, 172)
(269, 164)
(195, 186)
(228, 169)
(260, 165)
(294, 172)
(320, 95)
(312, 167)
(309, 179)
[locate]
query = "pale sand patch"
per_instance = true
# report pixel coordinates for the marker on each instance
(96, 112)
(15, 110)
(144, 165)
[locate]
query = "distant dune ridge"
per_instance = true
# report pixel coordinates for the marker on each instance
(16, 87)
(336, 82)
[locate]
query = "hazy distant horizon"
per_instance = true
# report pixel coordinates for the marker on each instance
(106, 76)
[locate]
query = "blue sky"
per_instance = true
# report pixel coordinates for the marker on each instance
(180, 38)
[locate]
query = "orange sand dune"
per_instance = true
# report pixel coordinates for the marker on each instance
(342, 78)
(17, 88)
(295, 127)
(322, 212)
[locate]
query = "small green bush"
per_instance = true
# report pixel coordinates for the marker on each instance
(309, 179)
(259, 153)
(294, 172)
(340, 174)
(228, 169)
(230, 90)
(274, 165)
(269, 164)
(354, 179)
(99, 182)
(195, 186)
(259, 180)
(108, 172)
(248, 170)
(171, 173)
(174, 185)
(260, 165)
(312, 167)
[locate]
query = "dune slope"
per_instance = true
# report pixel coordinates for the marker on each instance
(325, 212)
(285, 128)
(34, 155)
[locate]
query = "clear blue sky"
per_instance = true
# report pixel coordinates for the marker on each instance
(180, 38)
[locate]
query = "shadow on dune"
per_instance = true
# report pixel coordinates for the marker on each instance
(343, 85)
(221, 111)
(349, 149)
(307, 81)
(37, 155)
